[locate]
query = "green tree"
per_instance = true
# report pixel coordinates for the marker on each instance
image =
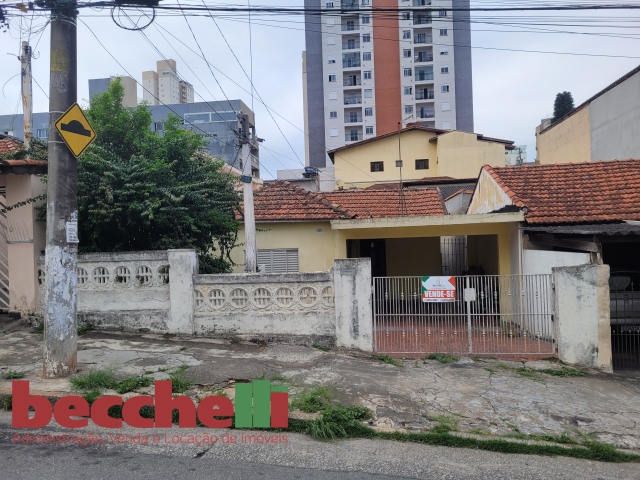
(562, 105)
(139, 190)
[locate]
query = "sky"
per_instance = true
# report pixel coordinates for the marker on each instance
(513, 90)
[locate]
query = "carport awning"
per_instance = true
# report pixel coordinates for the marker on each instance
(626, 228)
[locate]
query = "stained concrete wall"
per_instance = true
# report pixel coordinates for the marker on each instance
(582, 315)
(536, 262)
(568, 141)
(354, 314)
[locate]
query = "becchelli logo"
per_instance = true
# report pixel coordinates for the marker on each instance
(257, 405)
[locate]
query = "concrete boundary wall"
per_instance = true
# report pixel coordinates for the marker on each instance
(162, 292)
(582, 307)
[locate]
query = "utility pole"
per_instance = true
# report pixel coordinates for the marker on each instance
(60, 302)
(251, 254)
(27, 99)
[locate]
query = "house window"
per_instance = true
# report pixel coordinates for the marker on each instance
(444, 69)
(408, 90)
(365, 18)
(377, 166)
(446, 107)
(279, 261)
(197, 118)
(443, 13)
(366, 38)
(444, 32)
(333, 95)
(368, 93)
(367, 74)
(368, 112)
(446, 125)
(366, 2)
(331, 59)
(368, 130)
(333, 132)
(422, 164)
(406, 53)
(406, 34)
(44, 132)
(329, 4)
(331, 40)
(406, 15)
(366, 56)
(407, 72)
(444, 88)
(332, 78)
(408, 109)
(333, 114)
(444, 50)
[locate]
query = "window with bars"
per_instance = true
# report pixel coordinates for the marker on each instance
(279, 260)
(422, 164)
(377, 166)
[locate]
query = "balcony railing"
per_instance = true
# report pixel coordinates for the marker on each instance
(350, 27)
(353, 118)
(423, 57)
(350, 6)
(425, 95)
(351, 82)
(351, 44)
(422, 77)
(353, 100)
(422, 38)
(353, 137)
(421, 20)
(421, 3)
(426, 113)
(351, 63)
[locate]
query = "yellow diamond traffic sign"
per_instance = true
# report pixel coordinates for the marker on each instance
(75, 130)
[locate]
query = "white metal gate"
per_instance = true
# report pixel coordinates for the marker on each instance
(510, 315)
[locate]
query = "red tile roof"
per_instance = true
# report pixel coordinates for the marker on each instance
(283, 201)
(573, 192)
(8, 145)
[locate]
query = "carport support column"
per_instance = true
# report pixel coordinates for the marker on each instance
(183, 265)
(582, 315)
(352, 291)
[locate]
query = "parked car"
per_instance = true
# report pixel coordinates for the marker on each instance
(624, 291)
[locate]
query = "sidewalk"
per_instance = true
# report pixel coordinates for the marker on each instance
(484, 397)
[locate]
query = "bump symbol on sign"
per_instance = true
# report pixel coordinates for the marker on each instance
(75, 130)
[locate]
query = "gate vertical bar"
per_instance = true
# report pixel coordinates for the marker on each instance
(468, 302)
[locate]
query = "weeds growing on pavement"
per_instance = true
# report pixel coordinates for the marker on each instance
(39, 328)
(389, 360)
(12, 375)
(91, 396)
(311, 401)
(94, 380)
(442, 357)
(87, 327)
(133, 383)
(235, 340)
(529, 373)
(564, 372)
(321, 347)
(7, 402)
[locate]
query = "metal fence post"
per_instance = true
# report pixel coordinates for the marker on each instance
(468, 302)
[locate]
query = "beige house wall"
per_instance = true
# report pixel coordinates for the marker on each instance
(462, 155)
(314, 241)
(488, 196)
(567, 142)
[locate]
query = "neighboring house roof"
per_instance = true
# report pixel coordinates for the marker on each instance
(9, 144)
(283, 201)
(480, 137)
(599, 94)
(427, 181)
(27, 166)
(604, 191)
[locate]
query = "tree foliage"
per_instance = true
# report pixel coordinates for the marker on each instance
(139, 190)
(562, 105)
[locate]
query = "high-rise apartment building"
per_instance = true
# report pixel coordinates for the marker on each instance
(165, 86)
(368, 70)
(101, 85)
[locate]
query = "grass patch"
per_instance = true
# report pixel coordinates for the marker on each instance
(321, 347)
(7, 402)
(529, 373)
(311, 401)
(13, 375)
(182, 349)
(280, 378)
(341, 422)
(235, 340)
(91, 396)
(38, 328)
(133, 383)
(479, 431)
(564, 372)
(491, 371)
(389, 360)
(87, 327)
(94, 380)
(442, 357)
(180, 382)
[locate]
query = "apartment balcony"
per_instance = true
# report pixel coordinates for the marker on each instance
(350, 27)
(423, 57)
(422, 38)
(422, 19)
(423, 76)
(351, 44)
(353, 100)
(351, 63)
(353, 137)
(351, 82)
(351, 5)
(425, 95)
(421, 3)
(425, 113)
(353, 118)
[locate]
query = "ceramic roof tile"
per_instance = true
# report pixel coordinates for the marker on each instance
(574, 192)
(8, 145)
